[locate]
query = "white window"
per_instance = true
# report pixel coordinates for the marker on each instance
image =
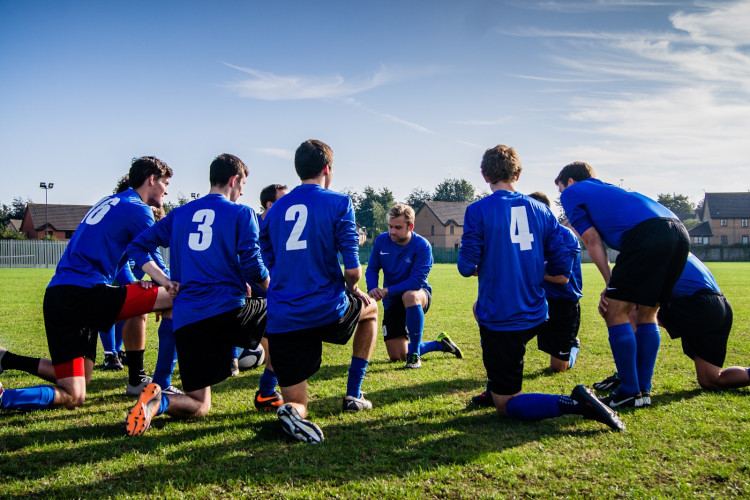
(724, 240)
(745, 240)
(723, 222)
(744, 222)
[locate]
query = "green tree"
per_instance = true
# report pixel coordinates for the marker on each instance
(372, 208)
(678, 203)
(181, 200)
(454, 190)
(417, 197)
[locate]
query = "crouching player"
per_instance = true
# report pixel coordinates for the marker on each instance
(507, 239)
(79, 300)
(699, 315)
(214, 253)
(406, 259)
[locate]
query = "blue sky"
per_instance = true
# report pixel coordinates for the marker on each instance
(655, 95)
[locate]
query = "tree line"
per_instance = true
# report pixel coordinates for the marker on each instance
(371, 205)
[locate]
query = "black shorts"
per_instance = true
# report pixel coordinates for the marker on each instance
(297, 354)
(702, 321)
(74, 315)
(561, 329)
(394, 318)
(205, 348)
(652, 258)
(502, 354)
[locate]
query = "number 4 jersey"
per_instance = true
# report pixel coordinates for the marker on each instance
(507, 239)
(302, 235)
(97, 249)
(213, 252)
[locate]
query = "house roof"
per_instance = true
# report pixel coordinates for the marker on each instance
(728, 205)
(15, 224)
(702, 229)
(446, 211)
(60, 217)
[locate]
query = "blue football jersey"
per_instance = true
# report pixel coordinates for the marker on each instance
(508, 237)
(694, 277)
(213, 253)
(573, 289)
(610, 209)
(303, 234)
(405, 267)
(96, 252)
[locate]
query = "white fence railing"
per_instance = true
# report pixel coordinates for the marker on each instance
(31, 253)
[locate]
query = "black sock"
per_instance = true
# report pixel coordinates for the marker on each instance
(135, 366)
(24, 363)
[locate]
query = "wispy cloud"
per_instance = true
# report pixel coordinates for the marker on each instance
(284, 154)
(389, 117)
(270, 87)
(481, 123)
(677, 99)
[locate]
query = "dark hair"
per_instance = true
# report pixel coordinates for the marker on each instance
(122, 185)
(311, 157)
(268, 194)
(501, 163)
(578, 171)
(144, 167)
(224, 167)
(539, 196)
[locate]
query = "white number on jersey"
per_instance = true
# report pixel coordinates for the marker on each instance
(202, 240)
(97, 213)
(298, 213)
(519, 228)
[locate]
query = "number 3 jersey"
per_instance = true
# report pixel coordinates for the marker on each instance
(302, 235)
(213, 253)
(97, 249)
(507, 238)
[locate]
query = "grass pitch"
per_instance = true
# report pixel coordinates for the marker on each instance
(422, 439)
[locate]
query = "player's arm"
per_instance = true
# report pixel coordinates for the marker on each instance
(347, 244)
(372, 274)
(595, 246)
(269, 259)
(248, 249)
(558, 280)
(470, 252)
(142, 248)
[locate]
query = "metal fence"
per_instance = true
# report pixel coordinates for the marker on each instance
(46, 253)
(31, 253)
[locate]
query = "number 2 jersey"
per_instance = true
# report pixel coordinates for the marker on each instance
(303, 234)
(97, 249)
(508, 237)
(213, 253)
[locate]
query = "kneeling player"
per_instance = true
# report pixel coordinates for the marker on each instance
(701, 317)
(79, 301)
(406, 259)
(214, 253)
(507, 239)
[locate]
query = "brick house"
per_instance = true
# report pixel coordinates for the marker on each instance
(725, 220)
(59, 221)
(441, 223)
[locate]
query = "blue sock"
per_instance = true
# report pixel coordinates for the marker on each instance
(38, 397)
(533, 406)
(118, 337)
(163, 405)
(431, 346)
(108, 340)
(623, 345)
(237, 352)
(648, 339)
(414, 325)
(167, 356)
(267, 384)
(357, 371)
(573, 355)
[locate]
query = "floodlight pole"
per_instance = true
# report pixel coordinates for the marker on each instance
(46, 186)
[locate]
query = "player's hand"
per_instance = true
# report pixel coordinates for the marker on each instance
(145, 284)
(476, 271)
(377, 293)
(360, 294)
(248, 291)
(603, 303)
(157, 316)
(172, 287)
